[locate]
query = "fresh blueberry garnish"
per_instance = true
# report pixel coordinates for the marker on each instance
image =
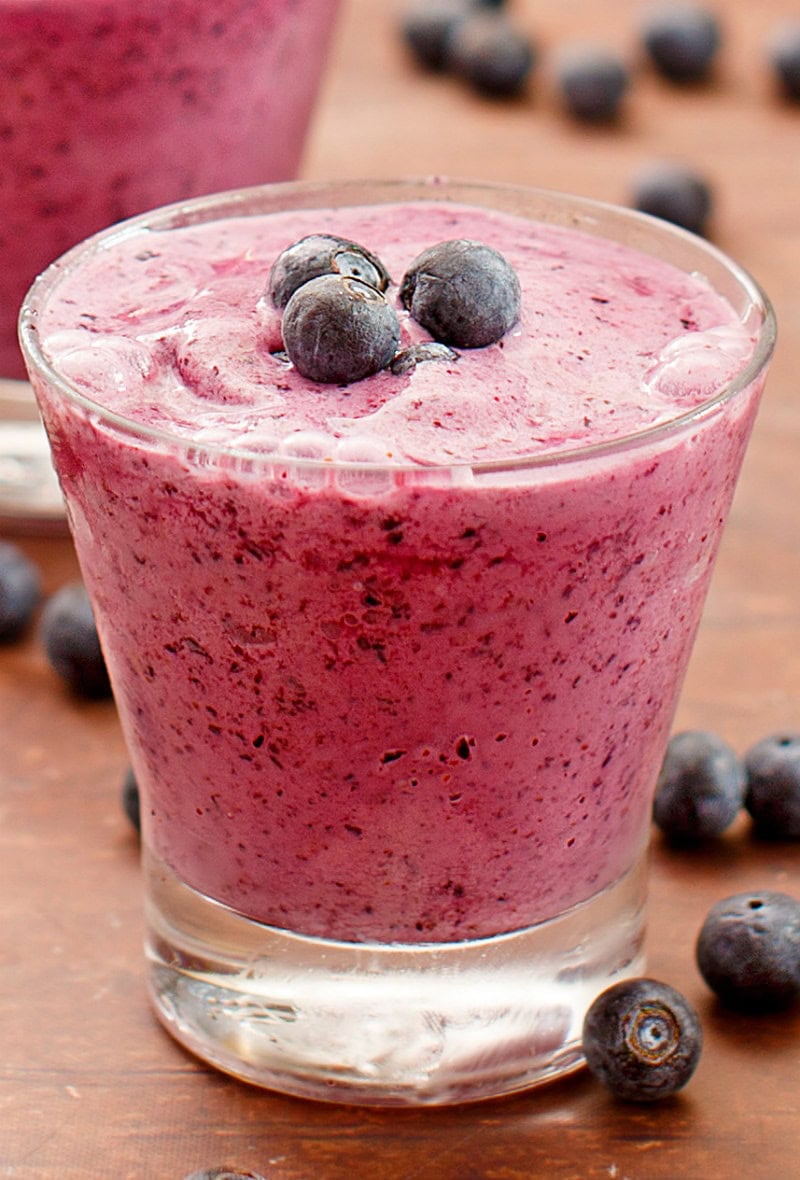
(681, 40)
(464, 293)
(784, 57)
(20, 591)
(337, 330)
(700, 788)
(322, 254)
(71, 643)
(673, 193)
(428, 26)
(772, 767)
(490, 54)
(130, 799)
(642, 1039)
(748, 950)
(415, 354)
(592, 82)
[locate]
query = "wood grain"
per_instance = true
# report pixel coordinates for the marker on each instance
(89, 1084)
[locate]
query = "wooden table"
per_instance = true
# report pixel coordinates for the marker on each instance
(89, 1084)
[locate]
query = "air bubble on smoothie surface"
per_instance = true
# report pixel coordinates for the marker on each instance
(698, 363)
(365, 451)
(101, 363)
(316, 447)
(235, 375)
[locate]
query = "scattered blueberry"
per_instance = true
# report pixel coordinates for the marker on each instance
(592, 82)
(700, 788)
(322, 254)
(490, 54)
(223, 1174)
(20, 591)
(71, 643)
(674, 193)
(784, 56)
(681, 40)
(463, 292)
(130, 799)
(748, 950)
(642, 1039)
(772, 767)
(427, 27)
(415, 354)
(337, 330)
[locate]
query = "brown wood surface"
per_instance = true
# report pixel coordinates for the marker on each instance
(89, 1084)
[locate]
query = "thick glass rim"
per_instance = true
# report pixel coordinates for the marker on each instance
(641, 231)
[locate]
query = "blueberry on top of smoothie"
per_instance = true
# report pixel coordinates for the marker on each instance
(338, 329)
(322, 254)
(463, 292)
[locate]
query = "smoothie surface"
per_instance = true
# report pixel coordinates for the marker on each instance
(171, 328)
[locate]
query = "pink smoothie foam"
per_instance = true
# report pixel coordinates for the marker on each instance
(109, 109)
(415, 704)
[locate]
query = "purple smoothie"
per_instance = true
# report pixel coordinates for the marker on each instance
(425, 698)
(108, 109)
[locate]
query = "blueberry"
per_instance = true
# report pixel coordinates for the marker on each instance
(20, 591)
(700, 788)
(322, 254)
(673, 193)
(223, 1174)
(592, 82)
(71, 643)
(784, 56)
(772, 767)
(642, 1039)
(464, 293)
(337, 330)
(427, 27)
(415, 354)
(748, 950)
(130, 799)
(681, 40)
(490, 54)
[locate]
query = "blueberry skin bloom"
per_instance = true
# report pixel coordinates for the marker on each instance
(322, 254)
(748, 950)
(20, 591)
(71, 642)
(783, 51)
(490, 54)
(681, 41)
(428, 25)
(773, 786)
(700, 788)
(642, 1039)
(337, 330)
(674, 193)
(464, 293)
(592, 82)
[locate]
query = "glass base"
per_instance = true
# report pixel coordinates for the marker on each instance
(385, 1025)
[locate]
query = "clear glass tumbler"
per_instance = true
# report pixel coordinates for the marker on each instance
(397, 728)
